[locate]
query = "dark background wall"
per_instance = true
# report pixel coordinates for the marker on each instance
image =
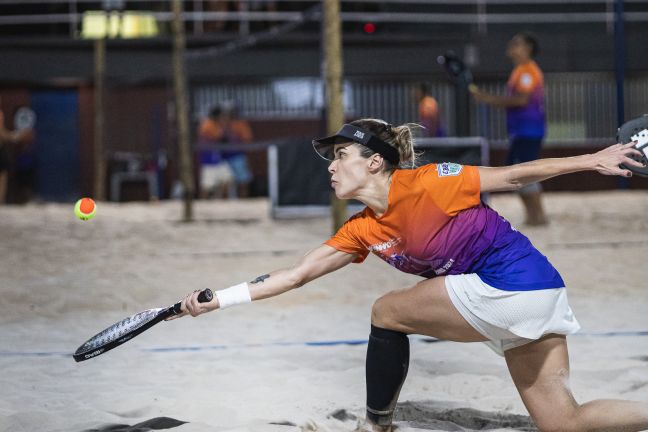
(139, 102)
(581, 48)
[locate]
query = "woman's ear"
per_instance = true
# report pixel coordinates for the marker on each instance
(376, 163)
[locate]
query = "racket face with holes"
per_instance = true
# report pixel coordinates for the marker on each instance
(636, 130)
(121, 332)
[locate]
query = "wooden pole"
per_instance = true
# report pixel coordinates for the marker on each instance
(99, 91)
(182, 115)
(332, 69)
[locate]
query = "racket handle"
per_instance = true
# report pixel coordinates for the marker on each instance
(205, 296)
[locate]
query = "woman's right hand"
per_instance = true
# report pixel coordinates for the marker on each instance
(607, 161)
(191, 306)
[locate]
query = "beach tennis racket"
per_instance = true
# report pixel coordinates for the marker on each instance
(126, 329)
(456, 69)
(636, 130)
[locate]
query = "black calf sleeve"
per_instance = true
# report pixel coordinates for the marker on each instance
(386, 369)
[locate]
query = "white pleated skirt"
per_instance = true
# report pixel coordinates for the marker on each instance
(511, 319)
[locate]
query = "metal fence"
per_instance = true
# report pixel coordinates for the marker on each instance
(580, 107)
(304, 98)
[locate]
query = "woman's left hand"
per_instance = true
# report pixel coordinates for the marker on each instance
(607, 161)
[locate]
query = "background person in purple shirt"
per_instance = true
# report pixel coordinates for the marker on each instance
(525, 115)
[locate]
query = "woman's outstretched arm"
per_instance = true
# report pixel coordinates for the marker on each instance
(318, 262)
(513, 177)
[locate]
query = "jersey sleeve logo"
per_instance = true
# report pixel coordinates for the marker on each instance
(526, 80)
(447, 169)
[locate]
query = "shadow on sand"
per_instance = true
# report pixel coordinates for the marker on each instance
(422, 415)
(430, 415)
(157, 423)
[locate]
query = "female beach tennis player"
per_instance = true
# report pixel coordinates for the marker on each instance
(484, 281)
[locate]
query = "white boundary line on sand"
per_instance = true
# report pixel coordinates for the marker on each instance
(329, 343)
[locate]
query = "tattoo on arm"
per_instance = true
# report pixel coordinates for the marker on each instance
(260, 279)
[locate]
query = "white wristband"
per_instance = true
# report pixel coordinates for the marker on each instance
(234, 295)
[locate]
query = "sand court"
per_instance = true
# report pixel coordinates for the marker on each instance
(291, 363)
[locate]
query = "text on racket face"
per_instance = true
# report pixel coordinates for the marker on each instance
(99, 351)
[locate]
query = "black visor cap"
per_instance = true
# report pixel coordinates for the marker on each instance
(324, 146)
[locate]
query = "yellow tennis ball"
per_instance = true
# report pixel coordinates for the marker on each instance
(85, 208)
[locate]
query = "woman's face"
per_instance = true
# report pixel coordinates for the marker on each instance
(518, 50)
(349, 170)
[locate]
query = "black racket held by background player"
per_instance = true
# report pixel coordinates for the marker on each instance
(128, 328)
(456, 69)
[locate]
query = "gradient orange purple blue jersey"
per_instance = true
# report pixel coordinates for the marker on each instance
(436, 224)
(529, 120)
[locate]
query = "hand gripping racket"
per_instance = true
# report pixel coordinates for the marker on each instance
(636, 130)
(128, 328)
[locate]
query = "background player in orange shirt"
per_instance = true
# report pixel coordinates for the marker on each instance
(223, 126)
(483, 280)
(428, 112)
(236, 131)
(525, 112)
(215, 173)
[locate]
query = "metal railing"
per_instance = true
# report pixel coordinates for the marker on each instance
(485, 12)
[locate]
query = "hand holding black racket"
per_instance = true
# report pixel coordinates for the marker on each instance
(636, 131)
(128, 328)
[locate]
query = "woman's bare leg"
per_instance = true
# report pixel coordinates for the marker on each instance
(423, 309)
(540, 371)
